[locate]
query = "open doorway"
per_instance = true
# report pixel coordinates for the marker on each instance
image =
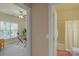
(14, 30)
(66, 19)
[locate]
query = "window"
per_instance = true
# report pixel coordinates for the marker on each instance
(8, 30)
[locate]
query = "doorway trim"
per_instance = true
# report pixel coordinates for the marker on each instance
(28, 21)
(52, 30)
(29, 47)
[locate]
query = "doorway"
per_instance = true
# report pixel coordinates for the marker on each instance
(66, 25)
(15, 30)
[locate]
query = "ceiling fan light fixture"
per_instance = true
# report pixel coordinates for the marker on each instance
(21, 17)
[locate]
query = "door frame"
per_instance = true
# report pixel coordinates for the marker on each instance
(28, 26)
(29, 35)
(52, 29)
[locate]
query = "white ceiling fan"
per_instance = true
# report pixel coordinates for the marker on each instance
(22, 14)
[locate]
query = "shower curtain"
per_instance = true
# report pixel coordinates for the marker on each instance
(71, 34)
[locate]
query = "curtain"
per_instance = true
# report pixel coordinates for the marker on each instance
(71, 34)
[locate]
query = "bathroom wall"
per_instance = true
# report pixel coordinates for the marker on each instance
(65, 12)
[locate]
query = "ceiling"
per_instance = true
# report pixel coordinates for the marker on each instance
(11, 9)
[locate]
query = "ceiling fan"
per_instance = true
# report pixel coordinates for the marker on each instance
(22, 14)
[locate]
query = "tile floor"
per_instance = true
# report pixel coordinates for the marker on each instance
(14, 50)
